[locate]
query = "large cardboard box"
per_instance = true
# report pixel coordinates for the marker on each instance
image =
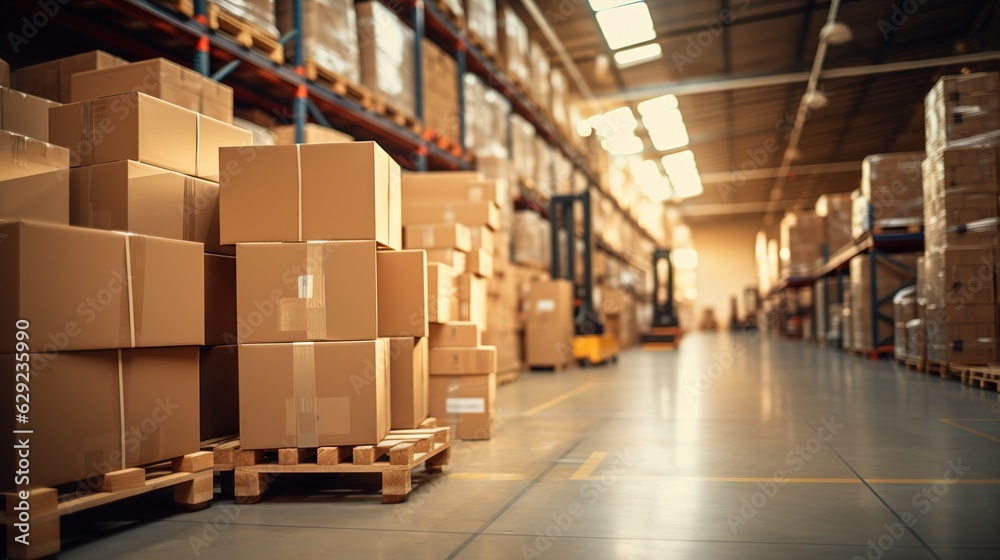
(480, 263)
(292, 292)
(445, 187)
(548, 333)
(402, 293)
(78, 406)
(212, 135)
(461, 360)
(483, 238)
(160, 78)
(452, 257)
(288, 193)
(220, 300)
(309, 394)
(466, 403)
(441, 236)
(314, 134)
(442, 297)
(460, 334)
(86, 289)
(467, 213)
(386, 49)
(440, 95)
(53, 79)
(25, 114)
(28, 156)
(472, 299)
(219, 382)
(408, 379)
(140, 198)
(43, 197)
(131, 126)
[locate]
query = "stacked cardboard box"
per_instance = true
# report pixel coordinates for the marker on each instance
(539, 71)
(548, 331)
(543, 176)
(481, 22)
(802, 235)
(329, 314)
(440, 91)
(115, 318)
(329, 35)
(52, 80)
(961, 184)
(514, 45)
(532, 243)
(620, 316)
(387, 64)
(486, 119)
(890, 276)
(312, 133)
(835, 209)
(463, 380)
(560, 102)
(258, 13)
(523, 150)
(904, 310)
(891, 192)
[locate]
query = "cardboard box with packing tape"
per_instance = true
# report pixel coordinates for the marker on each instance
(440, 236)
(311, 291)
(34, 180)
(25, 114)
(466, 403)
(548, 332)
(311, 394)
(445, 360)
(92, 289)
(408, 380)
(139, 127)
(100, 411)
(460, 334)
(140, 198)
(402, 293)
(288, 193)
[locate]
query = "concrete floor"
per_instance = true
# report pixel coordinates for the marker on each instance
(731, 447)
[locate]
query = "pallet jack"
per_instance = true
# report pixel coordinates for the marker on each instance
(665, 331)
(591, 345)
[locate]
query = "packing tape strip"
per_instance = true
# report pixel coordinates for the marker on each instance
(316, 305)
(19, 150)
(121, 405)
(130, 328)
(304, 387)
(188, 210)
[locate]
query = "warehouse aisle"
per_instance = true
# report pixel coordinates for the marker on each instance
(731, 447)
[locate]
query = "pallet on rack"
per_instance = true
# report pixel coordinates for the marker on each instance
(884, 230)
(190, 476)
(442, 141)
(243, 32)
(395, 114)
(488, 51)
(979, 376)
(394, 459)
(340, 85)
(458, 20)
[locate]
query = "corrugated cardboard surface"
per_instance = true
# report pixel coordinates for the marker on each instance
(548, 337)
(139, 198)
(43, 197)
(466, 403)
(452, 257)
(402, 293)
(212, 135)
(288, 193)
(442, 297)
(220, 299)
(220, 391)
(79, 409)
(314, 394)
(472, 299)
(440, 236)
(25, 114)
(461, 361)
(292, 292)
(480, 263)
(128, 126)
(467, 213)
(29, 156)
(455, 334)
(444, 187)
(4, 73)
(92, 289)
(314, 134)
(408, 379)
(53, 79)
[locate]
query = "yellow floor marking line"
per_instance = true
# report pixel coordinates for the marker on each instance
(793, 480)
(954, 422)
(567, 395)
(487, 476)
(588, 466)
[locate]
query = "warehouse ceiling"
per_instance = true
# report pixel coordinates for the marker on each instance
(735, 127)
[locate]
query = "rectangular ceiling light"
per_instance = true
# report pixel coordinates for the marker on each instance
(651, 181)
(626, 25)
(599, 5)
(683, 173)
(623, 145)
(666, 130)
(638, 55)
(658, 104)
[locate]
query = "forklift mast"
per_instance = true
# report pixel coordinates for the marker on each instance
(663, 308)
(562, 218)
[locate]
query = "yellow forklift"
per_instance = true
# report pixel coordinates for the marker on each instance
(591, 345)
(665, 331)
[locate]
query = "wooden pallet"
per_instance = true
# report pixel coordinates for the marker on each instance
(189, 475)
(242, 31)
(398, 116)
(393, 458)
(912, 228)
(936, 368)
(508, 377)
(555, 368)
(340, 85)
(484, 48)
(915, 364)
(980, 376)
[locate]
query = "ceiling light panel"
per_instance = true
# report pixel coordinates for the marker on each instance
(626, 25)
(638, 55)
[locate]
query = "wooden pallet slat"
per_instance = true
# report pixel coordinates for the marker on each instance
(247, 34)
(339, 84)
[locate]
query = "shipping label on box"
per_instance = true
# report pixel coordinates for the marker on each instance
(91, 289)
(402, 293)
(312, 394)
(291, 292)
